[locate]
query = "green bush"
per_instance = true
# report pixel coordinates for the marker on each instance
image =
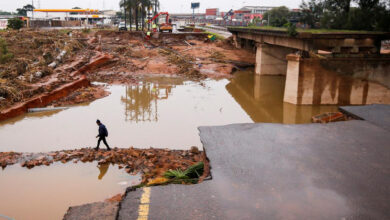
(4, 54)
(15, 23)
(291, 29)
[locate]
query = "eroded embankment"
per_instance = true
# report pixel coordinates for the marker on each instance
(56, 60)
(152, 163)
(61, 92)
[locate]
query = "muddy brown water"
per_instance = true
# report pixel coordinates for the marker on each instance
(162, 112)
(45, 193)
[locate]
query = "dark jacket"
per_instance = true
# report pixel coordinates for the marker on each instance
(103, 131)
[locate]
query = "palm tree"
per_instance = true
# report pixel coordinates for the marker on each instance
(139, 9)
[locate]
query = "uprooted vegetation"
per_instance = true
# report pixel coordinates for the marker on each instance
(5, 56)
(185, 63)
(24, 62)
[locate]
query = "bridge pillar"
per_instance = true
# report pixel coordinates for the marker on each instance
(291, 89)
(333, 81)
(271, 59)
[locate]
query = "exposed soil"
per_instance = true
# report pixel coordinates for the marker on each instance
(82, 95)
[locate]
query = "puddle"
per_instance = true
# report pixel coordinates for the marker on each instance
(162, 112)
(47, 192)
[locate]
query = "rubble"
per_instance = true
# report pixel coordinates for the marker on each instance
(152, 163)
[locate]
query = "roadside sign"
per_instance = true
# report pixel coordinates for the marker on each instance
(195, 5)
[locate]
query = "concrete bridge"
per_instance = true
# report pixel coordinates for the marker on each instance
(322, 68)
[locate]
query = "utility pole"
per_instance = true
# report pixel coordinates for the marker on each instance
(268, 19)
(124, 8)
(32, 12)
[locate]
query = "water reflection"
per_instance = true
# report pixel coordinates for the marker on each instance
(141, 101)
(103, 168)
(261, 97)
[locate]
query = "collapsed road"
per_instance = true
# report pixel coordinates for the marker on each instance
(269, 171)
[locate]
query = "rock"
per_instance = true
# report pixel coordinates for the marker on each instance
(194, 150)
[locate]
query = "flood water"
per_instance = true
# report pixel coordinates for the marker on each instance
(45, 193)
(162, 112)
(159, 112)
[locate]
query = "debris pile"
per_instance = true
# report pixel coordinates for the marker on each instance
(152, 163)
(9, 158)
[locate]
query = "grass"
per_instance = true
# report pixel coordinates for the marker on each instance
(193, 172)
(313, 31)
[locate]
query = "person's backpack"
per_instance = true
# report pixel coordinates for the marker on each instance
(105, 131)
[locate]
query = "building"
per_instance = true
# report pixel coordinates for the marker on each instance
(257, 9)
(248, 13)
(212, 13)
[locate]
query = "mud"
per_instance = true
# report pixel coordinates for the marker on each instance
(173, 55)
(152, 163)
(82, 95)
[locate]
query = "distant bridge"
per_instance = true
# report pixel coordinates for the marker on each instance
(321, 68)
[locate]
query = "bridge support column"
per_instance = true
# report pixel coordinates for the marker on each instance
(333, 81)
(271, 59)
(291, 89)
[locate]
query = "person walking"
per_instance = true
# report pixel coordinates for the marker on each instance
(103, 133)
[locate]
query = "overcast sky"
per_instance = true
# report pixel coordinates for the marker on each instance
(166, 5)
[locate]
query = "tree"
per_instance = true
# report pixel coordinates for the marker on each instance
(338, 14)
(311, 12)
(138, 10)
(23, 11)
(5, 13)
(277, 16)
(15, 23)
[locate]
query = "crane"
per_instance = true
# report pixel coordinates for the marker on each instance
(167, 26)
